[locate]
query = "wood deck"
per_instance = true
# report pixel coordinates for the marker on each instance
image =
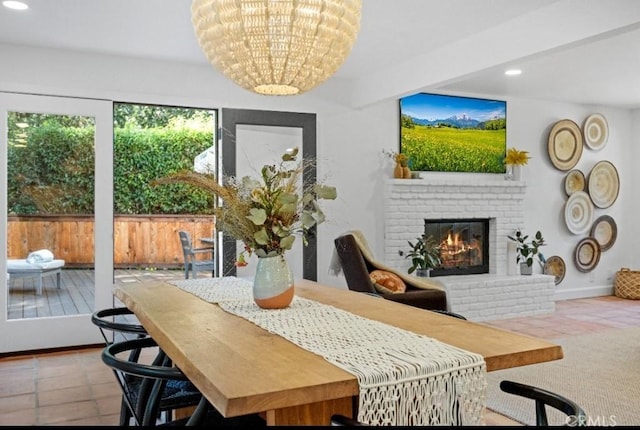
(76, 295)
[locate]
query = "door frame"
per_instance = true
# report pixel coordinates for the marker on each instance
(74, 330)
(229, 120)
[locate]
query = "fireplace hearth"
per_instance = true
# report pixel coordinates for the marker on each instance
(464, 245)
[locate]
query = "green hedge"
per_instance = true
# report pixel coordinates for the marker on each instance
(54, 172)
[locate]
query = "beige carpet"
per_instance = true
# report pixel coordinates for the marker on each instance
(600, 372)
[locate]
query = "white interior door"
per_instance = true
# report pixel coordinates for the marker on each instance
(37, 312)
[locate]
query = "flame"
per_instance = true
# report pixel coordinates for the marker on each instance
(453, 244)
(456, 252)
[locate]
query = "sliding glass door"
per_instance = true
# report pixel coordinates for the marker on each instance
(151, 142)
(57, 257)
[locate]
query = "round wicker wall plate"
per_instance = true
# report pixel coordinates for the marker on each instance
(574, 181)
(605, 231)
(595, 131)
(603, 184)
(587, 254)
(578, 212)
(565, 144)
(555, 266)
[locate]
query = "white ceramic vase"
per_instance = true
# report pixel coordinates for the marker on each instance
(508, 174)
(513, 172)
(273, 283)
(517, 172)
(512, 250)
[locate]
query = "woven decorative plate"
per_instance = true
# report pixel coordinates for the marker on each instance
(555, 266)
(595, 131)
(605, 231)
(565, 144)
(603, 184)
(587, 254)
(574, 181)
(578, 212)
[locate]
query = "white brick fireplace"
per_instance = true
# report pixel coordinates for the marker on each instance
(502, 293)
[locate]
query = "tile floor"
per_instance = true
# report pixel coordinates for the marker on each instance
(76, 388)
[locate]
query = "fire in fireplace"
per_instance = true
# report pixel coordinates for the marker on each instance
(464, 245)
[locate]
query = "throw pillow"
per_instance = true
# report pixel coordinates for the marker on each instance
(387, 282)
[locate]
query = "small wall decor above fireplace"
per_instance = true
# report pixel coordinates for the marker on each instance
(464, 245)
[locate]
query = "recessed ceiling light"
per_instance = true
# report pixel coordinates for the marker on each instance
(513, 72)
(17, 5)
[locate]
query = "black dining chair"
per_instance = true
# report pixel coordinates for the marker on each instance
(150, 388)
(117, 322)
(576, 416)
(448, 313)
(118, 325)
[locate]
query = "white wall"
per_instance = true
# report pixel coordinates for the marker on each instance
(356, 140)
(350, 144)
(634, 187)
(529, 122)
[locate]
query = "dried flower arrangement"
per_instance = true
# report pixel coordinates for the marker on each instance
(267, 213)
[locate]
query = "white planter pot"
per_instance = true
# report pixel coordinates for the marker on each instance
(423, 273)
(526, 270)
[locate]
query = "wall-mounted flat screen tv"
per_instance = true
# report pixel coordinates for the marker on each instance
(444, 133)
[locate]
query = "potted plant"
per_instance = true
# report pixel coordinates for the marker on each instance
(526, 250)
(425, 255)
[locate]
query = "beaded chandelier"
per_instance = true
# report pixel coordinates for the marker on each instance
(276, 47)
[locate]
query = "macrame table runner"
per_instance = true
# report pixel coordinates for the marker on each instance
(404, 378)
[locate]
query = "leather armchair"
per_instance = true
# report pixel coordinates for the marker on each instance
(357, 262)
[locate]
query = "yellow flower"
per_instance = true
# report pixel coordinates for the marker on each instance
(516, 157)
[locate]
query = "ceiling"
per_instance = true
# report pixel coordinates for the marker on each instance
(578, 51)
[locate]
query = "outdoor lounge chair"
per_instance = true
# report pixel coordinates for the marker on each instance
(35, 267)
(190, 262)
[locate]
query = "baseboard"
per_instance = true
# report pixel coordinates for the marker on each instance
(582, 293)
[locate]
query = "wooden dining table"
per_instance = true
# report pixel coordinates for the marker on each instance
(243, 369)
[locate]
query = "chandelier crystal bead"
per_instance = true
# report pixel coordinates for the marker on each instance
(276, 47)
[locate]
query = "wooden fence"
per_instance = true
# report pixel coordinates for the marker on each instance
(139, 240)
